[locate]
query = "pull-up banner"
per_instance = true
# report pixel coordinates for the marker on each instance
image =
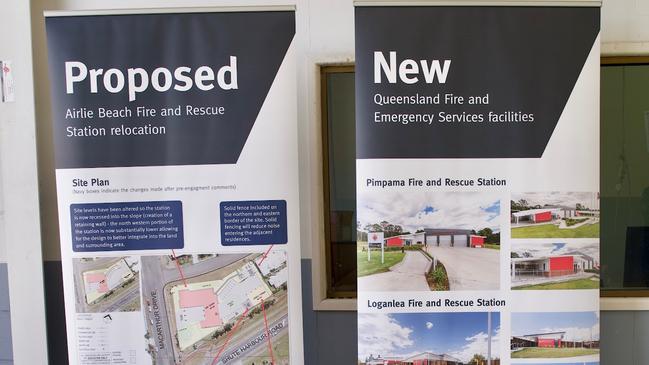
(175, 138)
(477, 132)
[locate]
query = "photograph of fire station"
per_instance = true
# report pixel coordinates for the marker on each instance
(451, 338)
(424, 241)
(571, 264)
(570, 336)
(555, 215)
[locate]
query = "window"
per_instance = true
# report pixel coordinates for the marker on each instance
(624, 176)
(339, 151)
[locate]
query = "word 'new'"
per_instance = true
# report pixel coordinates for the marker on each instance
(409, 70)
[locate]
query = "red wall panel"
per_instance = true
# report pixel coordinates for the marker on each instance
(394, 242)
(545, 342)
(477, 241)
(562, 263)
(543, 217)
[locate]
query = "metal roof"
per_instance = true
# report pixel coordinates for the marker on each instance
(531, 337)
(432, 356)
(524, 213)
(445, 231)
(539, 258)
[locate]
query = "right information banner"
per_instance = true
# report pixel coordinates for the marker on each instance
(477, 142)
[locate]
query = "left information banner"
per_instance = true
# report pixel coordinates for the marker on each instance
(175, 138)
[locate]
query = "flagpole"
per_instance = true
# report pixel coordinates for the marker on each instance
(489, 338)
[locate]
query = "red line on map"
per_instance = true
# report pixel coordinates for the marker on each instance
(180, 270)
(270, 347)
(265, 254)
(236, 325)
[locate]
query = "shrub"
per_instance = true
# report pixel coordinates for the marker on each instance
(573, 221)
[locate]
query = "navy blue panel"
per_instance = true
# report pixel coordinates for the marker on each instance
(502, 51)
(324, 331)
(57, 344)
(5, 336)
(337, 330)
(640, 338)
(308, 316)
(6, 353)
(616, 329)
(255, 222)
(122, 226)
(196, 129)
(4, 288)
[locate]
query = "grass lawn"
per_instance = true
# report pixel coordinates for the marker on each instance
(572, 284)
(374, 266)
(552, 231)
(492, 246)
(538, 352)
(280, 353)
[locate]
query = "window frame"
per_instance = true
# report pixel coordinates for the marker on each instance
(624, 60)
(624, 299)
(325, 71)
(610, 299)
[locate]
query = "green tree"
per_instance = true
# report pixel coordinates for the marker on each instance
(486, 232)
(477, 359)
(490, 236)
(522, 204)
(388, 229)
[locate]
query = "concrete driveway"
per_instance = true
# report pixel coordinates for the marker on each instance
(469, 268)
(523, 280)
(586, 359)
(408, 275)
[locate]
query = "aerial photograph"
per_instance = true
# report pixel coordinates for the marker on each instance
(452, 338)
(555, 215)
(217, 309)
(569, 336)
(555, 264)
(107, 284)
(424, 241)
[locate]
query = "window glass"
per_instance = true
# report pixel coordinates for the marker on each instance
(624, 150)
(625, 179)
(340, 179)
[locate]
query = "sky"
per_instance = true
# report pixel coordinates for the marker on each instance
(556, 248)
(416, 209)
(558, 199)
(460, 335)
(579, 326)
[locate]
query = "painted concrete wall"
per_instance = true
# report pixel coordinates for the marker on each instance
(6, 352)
(625, 26)
(20, 238)
(325, 35)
